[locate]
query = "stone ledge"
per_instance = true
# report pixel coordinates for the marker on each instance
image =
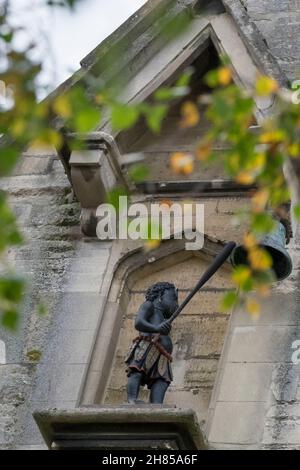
(25, 185)
(124, 427)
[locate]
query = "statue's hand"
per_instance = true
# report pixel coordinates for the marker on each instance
(164, 328)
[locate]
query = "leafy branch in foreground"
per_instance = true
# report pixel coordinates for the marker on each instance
(253, 159)
(24, 122)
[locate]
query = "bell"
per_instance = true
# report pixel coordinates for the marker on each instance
(274, 244)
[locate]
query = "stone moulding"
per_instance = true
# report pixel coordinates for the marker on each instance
(121, 428)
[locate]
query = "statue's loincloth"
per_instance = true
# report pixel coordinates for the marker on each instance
(151, 359)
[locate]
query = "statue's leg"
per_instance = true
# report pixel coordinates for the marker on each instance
(158, 391)
(133, 386)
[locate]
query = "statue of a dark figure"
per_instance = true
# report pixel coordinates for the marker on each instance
(149, 363)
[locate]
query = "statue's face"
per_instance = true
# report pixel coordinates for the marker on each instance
(169, 300)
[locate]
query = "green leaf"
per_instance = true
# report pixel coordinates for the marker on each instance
(10, 319)
(113, 196)
(229, 300)
(168, 94)
(123, 116)
(138, 172)
(87, 119)
(264, 277)
(8, 159)
(248, 285)
(297, 211)
(225, 59)
(9, 234)
(155, 115)
(211, 78)
(7, 37)
(154, 230)
(185, 78)
(262, 223)
(15, 237)
(11, 288)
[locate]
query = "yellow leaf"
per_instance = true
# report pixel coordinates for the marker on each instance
(294, 150)
(260, 199)
(224, 76)
(181, 162)
(203, 151)
(188, 168)
(234, 161)
(245, 177)
(257, 162)
(272, 137)
(259, 259)
(62, 106)
(48, 138)
(279, 180)
(42, 110)
(266, 85)
(151, 244)
(249, 241)
(190, 115)
(253, 307)
(241, 275)
(18, 127)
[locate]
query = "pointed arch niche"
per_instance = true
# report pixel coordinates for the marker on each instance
(198, 334)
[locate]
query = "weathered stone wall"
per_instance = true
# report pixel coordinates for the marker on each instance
(282, 421)
(278, 21)
(64, 273)
(256, 398)
(257, 390)
(40, 196)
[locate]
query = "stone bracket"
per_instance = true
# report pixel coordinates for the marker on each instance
(123, 427)
(95, 170)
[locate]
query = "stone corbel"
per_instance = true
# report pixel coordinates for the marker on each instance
(95, 170)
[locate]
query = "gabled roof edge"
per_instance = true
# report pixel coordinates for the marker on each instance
(255, 41)
(249, 32)
(148, 12)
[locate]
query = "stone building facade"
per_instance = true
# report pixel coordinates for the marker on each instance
(236, 374)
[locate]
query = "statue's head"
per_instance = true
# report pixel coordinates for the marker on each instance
(166, 295)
